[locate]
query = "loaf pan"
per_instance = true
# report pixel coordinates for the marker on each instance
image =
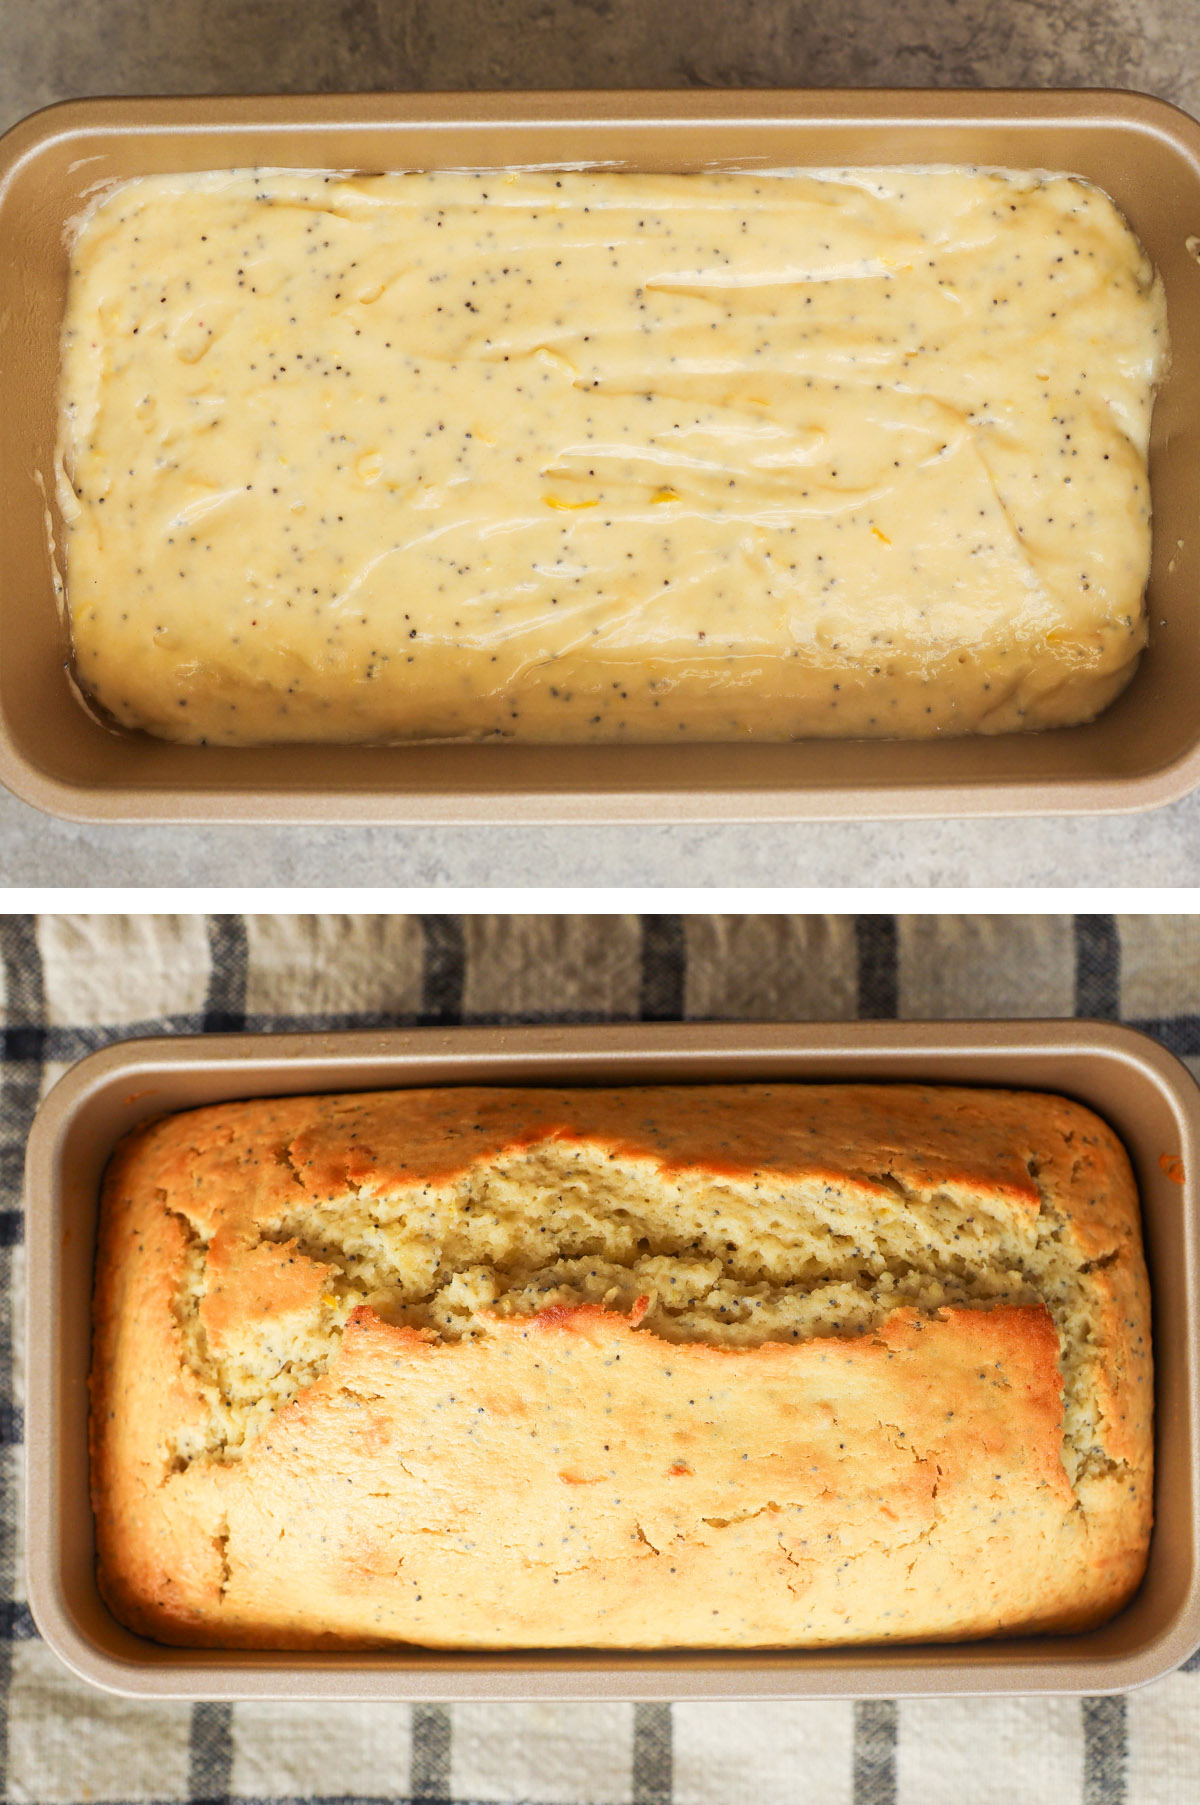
(1143, 751)
(1145, 1093)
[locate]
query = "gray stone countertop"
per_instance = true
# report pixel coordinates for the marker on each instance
(56, 49)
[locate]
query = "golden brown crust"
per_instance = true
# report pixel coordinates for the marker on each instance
(510, 1490)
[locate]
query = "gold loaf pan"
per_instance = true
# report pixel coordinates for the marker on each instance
(1142, 1091)
(1143, 751)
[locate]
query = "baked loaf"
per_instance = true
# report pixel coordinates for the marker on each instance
(727, 1366)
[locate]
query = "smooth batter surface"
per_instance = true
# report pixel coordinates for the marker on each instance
(597, 456)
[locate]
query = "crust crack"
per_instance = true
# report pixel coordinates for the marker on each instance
(221, 1544)
(735, 1263)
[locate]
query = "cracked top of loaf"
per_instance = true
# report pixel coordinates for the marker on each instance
(735, 1365)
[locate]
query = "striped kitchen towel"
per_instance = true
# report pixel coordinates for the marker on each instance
(70, 984)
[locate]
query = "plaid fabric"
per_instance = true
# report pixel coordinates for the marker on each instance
(69, 984)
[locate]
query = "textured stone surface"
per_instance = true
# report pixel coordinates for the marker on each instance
(1158, 848)
(54, 49)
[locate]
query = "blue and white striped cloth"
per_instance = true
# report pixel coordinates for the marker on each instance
(69, 984)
